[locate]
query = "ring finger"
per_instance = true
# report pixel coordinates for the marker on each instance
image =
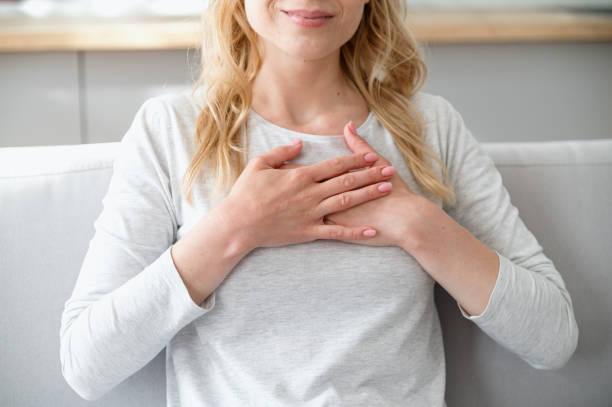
(354, 179)
(349, 199)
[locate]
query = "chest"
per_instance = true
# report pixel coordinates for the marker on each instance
(328, 283)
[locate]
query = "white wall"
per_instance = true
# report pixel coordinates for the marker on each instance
(548, 91)
(39, 99)
(523, 92)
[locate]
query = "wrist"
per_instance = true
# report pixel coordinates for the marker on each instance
(229, 222)
(421, 227)
(208, 253)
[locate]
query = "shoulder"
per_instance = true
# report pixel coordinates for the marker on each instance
(443, 124)
(176, 106)
(166, 121)
(435, 108)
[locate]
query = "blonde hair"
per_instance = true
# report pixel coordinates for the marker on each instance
(382, 60)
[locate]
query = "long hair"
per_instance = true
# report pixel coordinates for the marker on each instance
(382, 59)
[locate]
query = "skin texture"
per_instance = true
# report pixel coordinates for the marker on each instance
(300, 86)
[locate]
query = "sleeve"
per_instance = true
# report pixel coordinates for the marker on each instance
(529, 311)
(129, 299)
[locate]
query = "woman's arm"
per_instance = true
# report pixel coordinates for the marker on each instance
(204, 259)
(482, 253)
(458, 261)
(129, 299)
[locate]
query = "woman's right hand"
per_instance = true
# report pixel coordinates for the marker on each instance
(275, 207)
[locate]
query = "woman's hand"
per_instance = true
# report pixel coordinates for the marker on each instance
(393, 217)
(276, 207)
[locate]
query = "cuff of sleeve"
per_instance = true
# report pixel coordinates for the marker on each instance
(180, 290)
(496, 294)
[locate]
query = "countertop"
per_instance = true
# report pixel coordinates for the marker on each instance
(430, 26)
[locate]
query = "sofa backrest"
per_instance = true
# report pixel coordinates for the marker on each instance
(50, 197)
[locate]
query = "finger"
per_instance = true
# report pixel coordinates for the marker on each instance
(358, 145)
(338, 232)
(339, 165)
(277, 156)
(290, 166)
(352, 180)
(349, 199)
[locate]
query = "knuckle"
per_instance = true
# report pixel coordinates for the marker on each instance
(337, 164)
(305, 195)
(257, 161)
(300, 176)
(320, 209)
(334, 233)
(345, 200)
(348, 180)
(373, 191)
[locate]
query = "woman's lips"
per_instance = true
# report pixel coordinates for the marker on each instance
(308, 18)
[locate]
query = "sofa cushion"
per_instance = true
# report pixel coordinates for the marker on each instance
(51, 195)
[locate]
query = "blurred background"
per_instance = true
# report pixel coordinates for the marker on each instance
(76, 71)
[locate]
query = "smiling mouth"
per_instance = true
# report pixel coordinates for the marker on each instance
(308, 15)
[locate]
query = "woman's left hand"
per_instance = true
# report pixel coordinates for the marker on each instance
(392, 216)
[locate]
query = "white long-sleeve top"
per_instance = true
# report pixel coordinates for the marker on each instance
(323, 323)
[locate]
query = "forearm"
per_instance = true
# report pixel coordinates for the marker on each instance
(530, 313)
(105, 338)
(458, 261)
(209, 252)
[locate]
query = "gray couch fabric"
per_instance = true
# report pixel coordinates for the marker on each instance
(50, 196)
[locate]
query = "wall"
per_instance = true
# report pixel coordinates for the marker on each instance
(522, 92)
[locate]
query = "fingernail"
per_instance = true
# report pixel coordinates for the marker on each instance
(369, 232)
(370, 157)
(352, 127)
(296, 141)
(384, 187)
(387, 171)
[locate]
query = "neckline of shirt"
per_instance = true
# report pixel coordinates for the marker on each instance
(310, 136)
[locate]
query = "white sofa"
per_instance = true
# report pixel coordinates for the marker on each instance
(50, 196)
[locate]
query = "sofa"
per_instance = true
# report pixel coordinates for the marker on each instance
(51, 195)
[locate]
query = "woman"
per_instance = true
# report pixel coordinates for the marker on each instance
(311, 281)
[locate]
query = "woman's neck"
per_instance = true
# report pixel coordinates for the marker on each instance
(294, 92)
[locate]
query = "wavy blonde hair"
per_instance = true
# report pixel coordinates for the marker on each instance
(382, 60)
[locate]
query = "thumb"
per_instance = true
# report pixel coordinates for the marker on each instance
(358, 145)
(277, 156)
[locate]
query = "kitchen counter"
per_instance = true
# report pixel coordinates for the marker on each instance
(431, 26)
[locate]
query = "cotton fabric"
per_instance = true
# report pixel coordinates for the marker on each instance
(323, 323)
